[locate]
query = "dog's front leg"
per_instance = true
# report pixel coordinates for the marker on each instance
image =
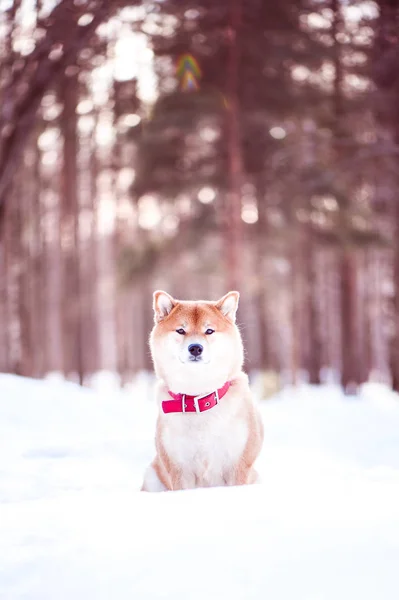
(181, 479)
(241, 475)
(235, 477)
(161, 478)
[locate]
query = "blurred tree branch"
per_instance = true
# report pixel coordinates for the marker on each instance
(33, 75)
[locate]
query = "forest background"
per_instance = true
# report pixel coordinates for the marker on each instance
(274, 171)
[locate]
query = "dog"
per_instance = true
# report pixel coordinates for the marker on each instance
(209, 430)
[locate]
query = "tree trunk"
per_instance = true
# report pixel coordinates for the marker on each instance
(36, 274)
(385, 75)
(12, 227)
(261, 295)
(297, 338)
(376, 315)
(264, 354)
(350, 370)
(350, 359)
(395, 339)
(367, 294)
(313, 292)
(3, 309)
(70, 242)
(5, 316)
(24, 265)
(233, 236)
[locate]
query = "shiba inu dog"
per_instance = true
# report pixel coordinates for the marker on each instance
(209, 431)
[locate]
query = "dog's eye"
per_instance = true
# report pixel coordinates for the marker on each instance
(209, 331)
(181, 331)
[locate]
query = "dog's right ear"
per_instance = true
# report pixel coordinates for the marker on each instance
(163, 305)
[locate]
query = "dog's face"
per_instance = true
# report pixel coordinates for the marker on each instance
(196, 346)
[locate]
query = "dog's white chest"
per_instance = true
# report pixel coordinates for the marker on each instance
(205, 446)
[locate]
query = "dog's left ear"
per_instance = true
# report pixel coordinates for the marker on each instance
(228, 305)
(162, 305)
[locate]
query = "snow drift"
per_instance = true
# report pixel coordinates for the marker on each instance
(323, 525)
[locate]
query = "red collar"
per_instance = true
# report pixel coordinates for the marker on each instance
(182, 403)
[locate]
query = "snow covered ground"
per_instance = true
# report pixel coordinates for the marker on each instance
(324, 524)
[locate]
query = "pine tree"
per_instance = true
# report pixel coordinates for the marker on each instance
(386, 56)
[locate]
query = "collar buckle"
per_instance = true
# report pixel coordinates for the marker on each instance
(196, 404)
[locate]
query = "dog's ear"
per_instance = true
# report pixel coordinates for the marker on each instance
(163, 304)
(228, 305)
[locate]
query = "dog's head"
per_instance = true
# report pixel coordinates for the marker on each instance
(196, 346)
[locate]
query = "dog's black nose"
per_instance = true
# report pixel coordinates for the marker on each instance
(195, 349)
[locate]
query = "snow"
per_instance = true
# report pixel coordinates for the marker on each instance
(323, 525)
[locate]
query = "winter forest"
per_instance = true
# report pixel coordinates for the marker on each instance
(267, 163)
